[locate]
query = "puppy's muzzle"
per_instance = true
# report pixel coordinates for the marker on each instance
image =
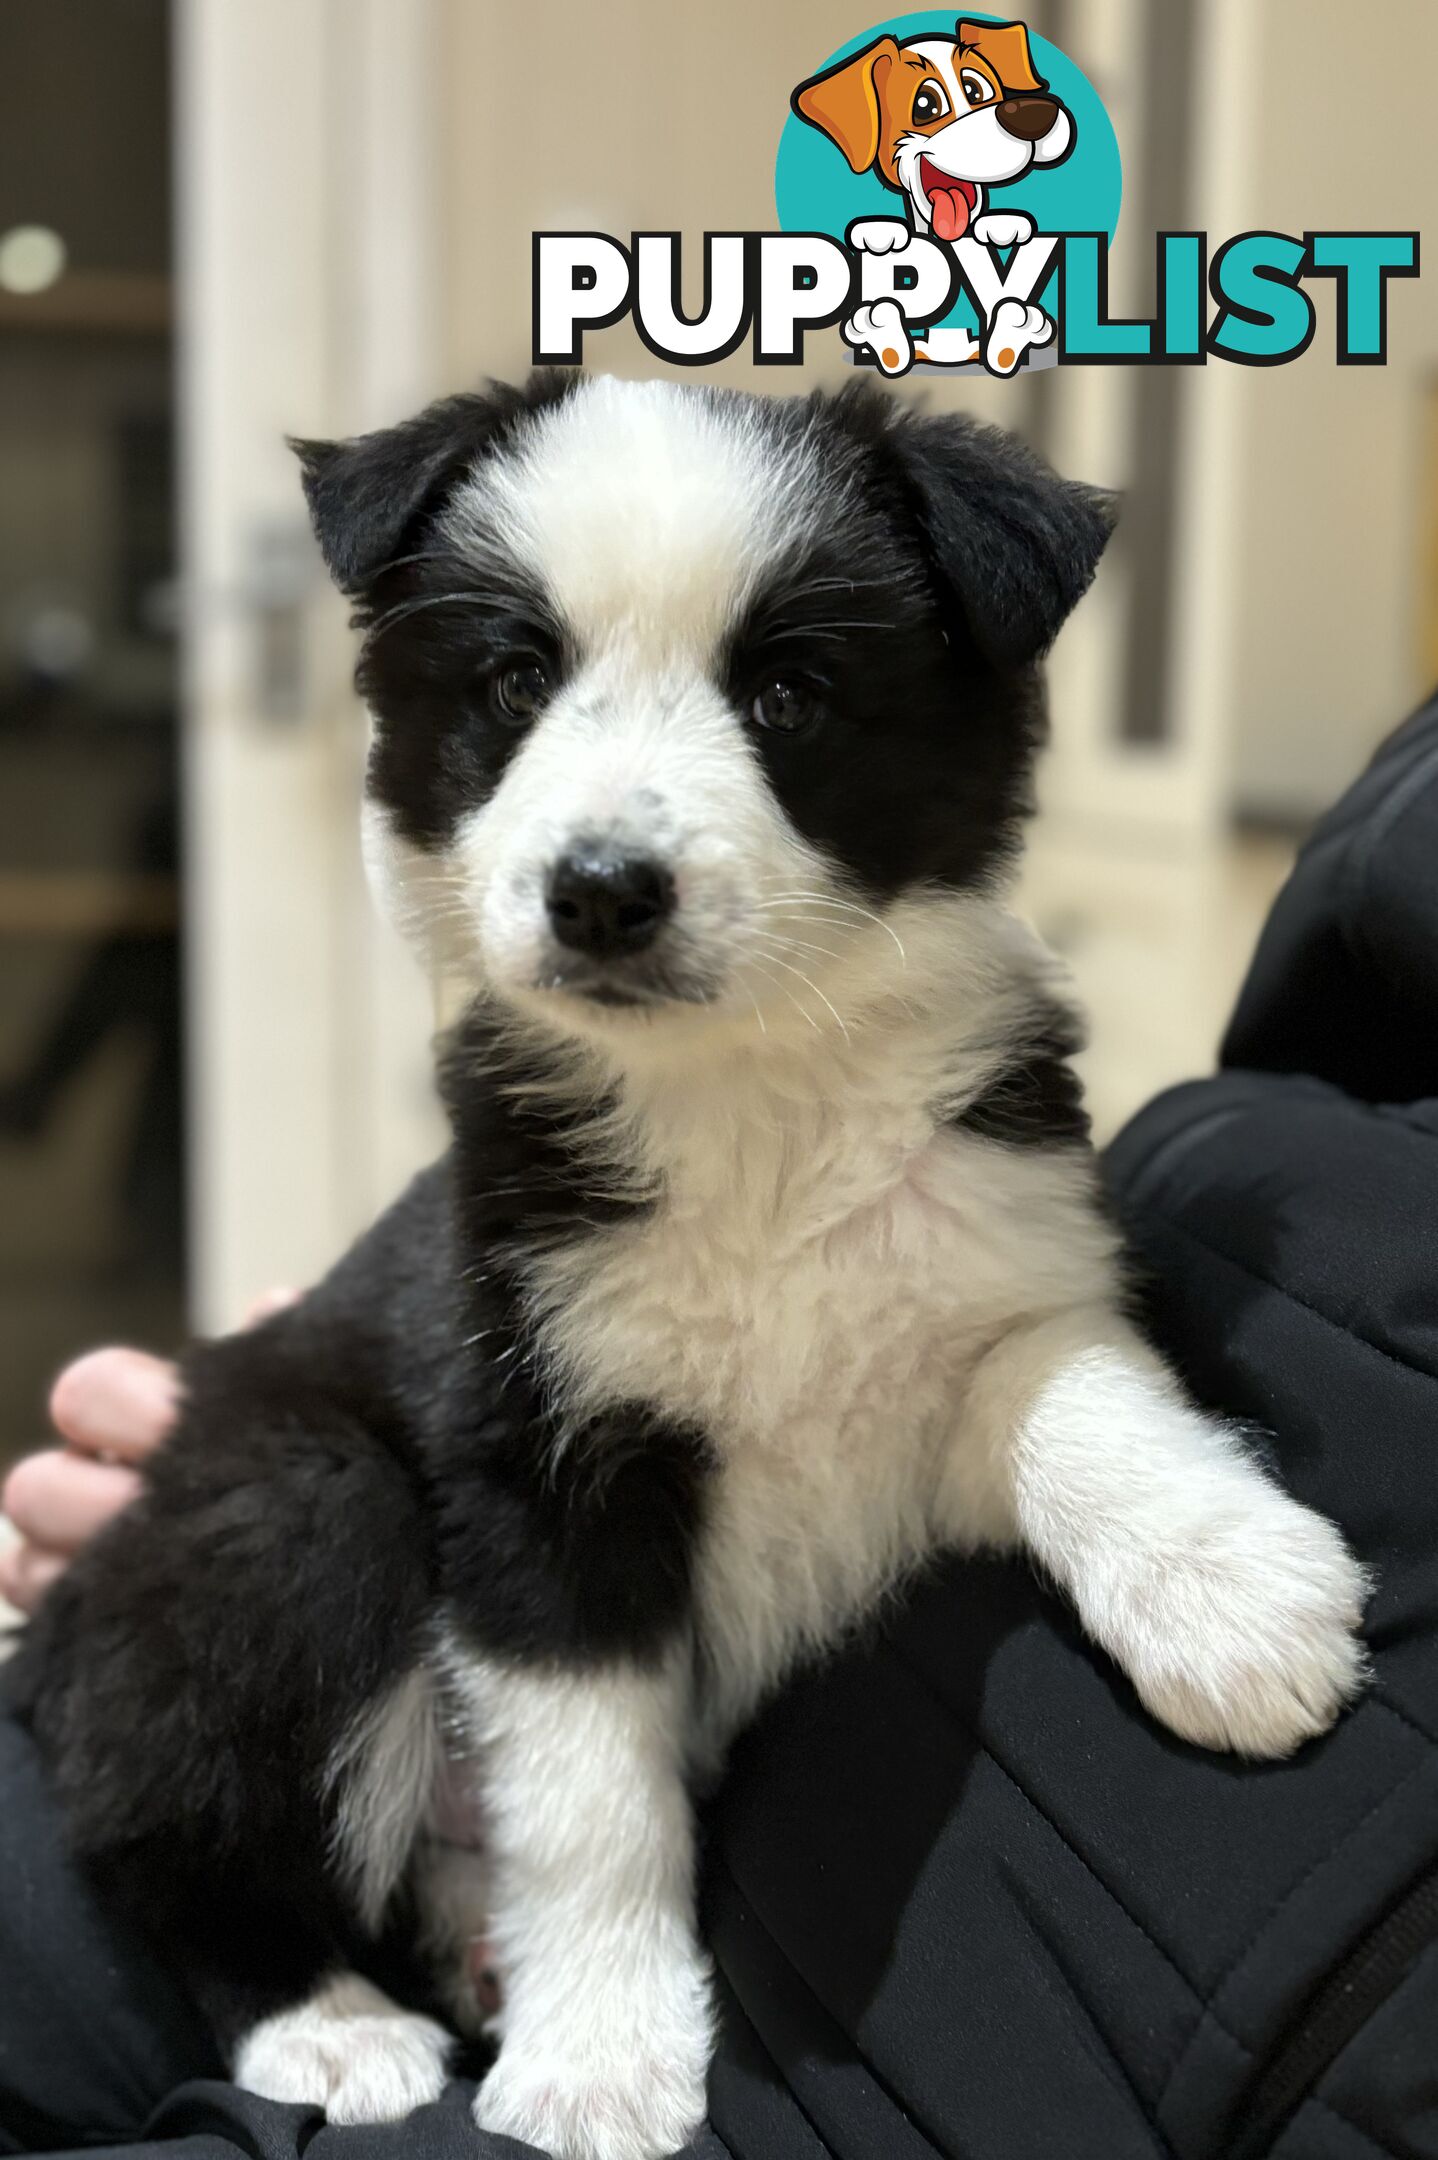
(606, 904)
(1029, 118)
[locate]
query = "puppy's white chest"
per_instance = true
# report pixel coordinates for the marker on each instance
(818, 1317)
(754, 1317)
(820, 1343)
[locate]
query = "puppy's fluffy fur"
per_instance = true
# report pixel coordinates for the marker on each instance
(767, 1259)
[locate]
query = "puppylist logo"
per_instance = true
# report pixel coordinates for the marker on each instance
(947, 194)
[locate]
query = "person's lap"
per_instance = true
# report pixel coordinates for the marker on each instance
(93, 2034)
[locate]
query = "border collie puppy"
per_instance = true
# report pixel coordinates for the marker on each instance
(767, 1260)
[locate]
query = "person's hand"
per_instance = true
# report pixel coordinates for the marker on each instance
(112, 1408)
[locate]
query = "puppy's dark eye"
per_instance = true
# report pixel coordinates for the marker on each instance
(976, 88)
(520, 689)
(929, 104)
(785, 707)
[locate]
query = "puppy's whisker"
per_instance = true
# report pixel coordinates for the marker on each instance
(809, 984)
(755, 962)
(789, 911)
(842, 930)
(789, 944)
(850, 907)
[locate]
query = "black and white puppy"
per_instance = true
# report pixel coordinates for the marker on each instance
(767, 1260)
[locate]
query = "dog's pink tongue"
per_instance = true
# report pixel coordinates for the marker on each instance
(950, 211)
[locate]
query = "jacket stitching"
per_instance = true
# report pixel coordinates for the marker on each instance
(1167, 1225)
(900, 2107)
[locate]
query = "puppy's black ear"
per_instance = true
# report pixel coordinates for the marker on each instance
(366, 494)
(1015, 543)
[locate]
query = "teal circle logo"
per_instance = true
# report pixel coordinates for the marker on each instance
(816, 190)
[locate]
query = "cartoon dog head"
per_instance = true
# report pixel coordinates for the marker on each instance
(941, 119)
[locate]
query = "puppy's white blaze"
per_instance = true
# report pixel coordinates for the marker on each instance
(655, 765)
(640, 505)
(383, 1774)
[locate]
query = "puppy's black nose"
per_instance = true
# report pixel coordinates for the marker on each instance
(602, 903)
(1028, 117)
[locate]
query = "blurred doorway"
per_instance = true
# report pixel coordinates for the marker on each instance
(92, 1206)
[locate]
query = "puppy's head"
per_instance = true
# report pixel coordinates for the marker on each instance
(678, 693)
(941, 119)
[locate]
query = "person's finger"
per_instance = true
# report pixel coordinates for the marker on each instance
(116, 1402)
(61, 1498)
(26, 1574)
(268, 1303)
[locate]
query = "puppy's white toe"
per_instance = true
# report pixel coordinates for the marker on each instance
(1248, 1641)
(349, 2050)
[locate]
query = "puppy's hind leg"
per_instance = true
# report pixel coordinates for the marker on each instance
(1233, 1609)
(348, 2049)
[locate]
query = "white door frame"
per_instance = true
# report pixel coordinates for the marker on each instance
(305, 185)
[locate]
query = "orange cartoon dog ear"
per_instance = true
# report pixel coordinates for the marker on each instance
(844, 103)
(1006, 48)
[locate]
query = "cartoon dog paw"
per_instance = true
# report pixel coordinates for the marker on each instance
(882, 327)
(1003, 228)
(948, 346)
(879, 235)
(1013, 330)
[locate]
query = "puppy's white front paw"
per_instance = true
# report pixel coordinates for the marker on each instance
(629, 2086)
(635, 2108)
(349, 2050)
(879, 235)
(1247, 1639)
(1003, 228)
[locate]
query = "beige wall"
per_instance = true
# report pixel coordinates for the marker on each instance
(1328, 552)
(650, 116)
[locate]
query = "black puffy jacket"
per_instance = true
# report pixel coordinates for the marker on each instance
(965, 1898)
